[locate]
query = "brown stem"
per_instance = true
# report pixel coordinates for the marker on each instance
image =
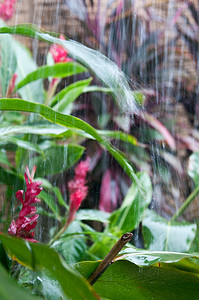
(109, 257)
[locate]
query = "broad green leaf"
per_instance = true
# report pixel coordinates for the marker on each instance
(40, 257)
(50, 201)
(160, 234)
(71, 122)
(8, 62)
(124, 280)
(132, 210)
(9, 290)
(96, 62)
(193, 167)
(62, 156)
(25, 65)
(72, 247)
(59, 70)
(69, 94)
(145, 258)
(21, 143)
(49, 129)
(47, 185)
(92, 215)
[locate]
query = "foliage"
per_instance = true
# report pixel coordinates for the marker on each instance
(49, 136)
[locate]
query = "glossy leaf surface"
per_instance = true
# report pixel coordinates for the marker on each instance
(71, 122)
(40, 257)
(59, 70)
(93, 60)
(160, 234)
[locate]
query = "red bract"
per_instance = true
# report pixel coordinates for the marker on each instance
(7, 8)
(27, 219)
(59, 54)
(78, 189)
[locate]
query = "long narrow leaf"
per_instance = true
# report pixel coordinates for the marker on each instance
(96, 62)
(58, 71)
(72, 122)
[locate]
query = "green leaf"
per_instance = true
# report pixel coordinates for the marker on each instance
(59, 70)
(25, 65)
(21, 143)
(160, 234)
(119, 135)
(62, 156)
(50, 201)
(124, 280)
(145, 258)
(41, 258)
(72, 248)
(69, 94)
(71, 122)
(92, 215)
(8, 62)
(100, 65)
(49, 129)
(9, 290)
(193, 167)
(132, 210)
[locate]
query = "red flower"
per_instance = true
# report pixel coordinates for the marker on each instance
(27, 219)
(78, 189)
(59, 53)
(7, 8)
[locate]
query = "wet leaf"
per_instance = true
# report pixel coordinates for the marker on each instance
(131, 213)
(63, 157)
(96, 62)
(51, 202)
(58, 70)
(126, 280)
(9, 290)
(25, 65)
(72, 247)
(193, 167)
(142, 257)
(93, 215)
(20, 143)
(8, 62)
(69, 94)
(41, 258)
(160, 234)
(71, 122)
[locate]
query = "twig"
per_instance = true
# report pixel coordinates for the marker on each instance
(109, 257)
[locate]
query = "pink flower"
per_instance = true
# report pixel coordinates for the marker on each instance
(59, 53)
(27, 219)
(7, 8)
(77, 188)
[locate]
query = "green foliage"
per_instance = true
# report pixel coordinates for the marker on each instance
(131, 212)
(160, 234)
(40, 257)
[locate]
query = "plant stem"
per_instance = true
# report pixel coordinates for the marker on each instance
(56, 237)
(108, 260)
(186, 204)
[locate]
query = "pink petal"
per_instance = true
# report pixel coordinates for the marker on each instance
(29, 227)
(19, 196)
(27, 210)
(13, 228)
